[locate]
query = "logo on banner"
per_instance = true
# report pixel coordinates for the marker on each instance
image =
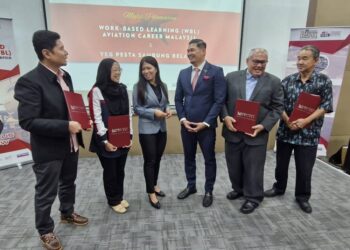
(323, 63)
(308, 34)
(4, 52)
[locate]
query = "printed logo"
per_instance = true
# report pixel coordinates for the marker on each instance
(308, 34)
(323, 63)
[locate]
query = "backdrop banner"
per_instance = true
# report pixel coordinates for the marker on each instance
(14, 142)
(333, 43)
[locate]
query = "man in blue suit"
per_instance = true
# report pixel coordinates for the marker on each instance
(200, 94)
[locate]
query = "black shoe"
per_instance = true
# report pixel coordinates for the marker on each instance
(186, 192)
(208, 199)
(233, 195)
(160, 193)
(155, 205)
(305, 206)
(272, 192)
(248, 207)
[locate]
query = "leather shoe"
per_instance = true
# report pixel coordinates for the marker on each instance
(75, 219)
(155, 205)
(272, 193)
(305, 206)
(160, 193)
(186, 192)
(50, 241)
(208, 199)
(248, 207)
(233, 195)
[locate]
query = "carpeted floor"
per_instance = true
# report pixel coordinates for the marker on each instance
(182, 224)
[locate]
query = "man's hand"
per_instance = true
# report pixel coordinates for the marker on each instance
(110, 147)
(257, 129)
(299, 123)
(197, 126)
(74, 127)
(187, 125)
(229, 121)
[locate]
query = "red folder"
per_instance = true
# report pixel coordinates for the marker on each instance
(246, 115)
(76, 109)
(305, 105)
(119, 130)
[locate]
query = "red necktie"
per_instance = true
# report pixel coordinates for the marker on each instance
(195, 78)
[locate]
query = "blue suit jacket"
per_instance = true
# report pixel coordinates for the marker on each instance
(204, 103)
(148, 124)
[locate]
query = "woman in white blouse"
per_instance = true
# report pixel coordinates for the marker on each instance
(109, 97)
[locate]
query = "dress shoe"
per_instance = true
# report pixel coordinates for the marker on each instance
(186, 192)
(208, 199)
(233, 195)
(160, 193)
(155, 205)
(119, 209)
(248, 207)
(272, 192)
(50, 241)
(75, 219)
(305, 206)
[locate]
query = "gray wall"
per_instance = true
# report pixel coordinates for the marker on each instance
(27, 16)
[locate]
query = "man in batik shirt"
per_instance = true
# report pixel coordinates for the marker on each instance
(301, 135)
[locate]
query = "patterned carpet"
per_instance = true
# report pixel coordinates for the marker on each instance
(181, 224)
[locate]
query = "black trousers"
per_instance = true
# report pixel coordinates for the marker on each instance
(245, 164)
(305, 157)
(52, 177)
(113, 178)
(153, 146)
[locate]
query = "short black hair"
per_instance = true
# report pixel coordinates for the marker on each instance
(199, 43)
(44, 39)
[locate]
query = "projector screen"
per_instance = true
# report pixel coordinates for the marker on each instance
(128, 30)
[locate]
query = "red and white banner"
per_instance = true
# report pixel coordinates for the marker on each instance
(14, 142)
(334, 44)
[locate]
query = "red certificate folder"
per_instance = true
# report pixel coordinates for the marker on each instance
(305, 105)
(119, 130)
(76, 109)
(246, 114)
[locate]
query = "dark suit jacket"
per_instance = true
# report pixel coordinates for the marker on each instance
(268, 92)
(42, 111)
(205, 102)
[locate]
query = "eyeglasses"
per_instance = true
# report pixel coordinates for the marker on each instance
(257, 62)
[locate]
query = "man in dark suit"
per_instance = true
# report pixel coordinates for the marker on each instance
(200, 94)
(246, 153)
(42, 110)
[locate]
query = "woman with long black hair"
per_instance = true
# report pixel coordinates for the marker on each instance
(109, 97)
(150, 101)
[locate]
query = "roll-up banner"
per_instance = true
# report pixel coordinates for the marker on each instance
(14, 142)
(333, 43)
